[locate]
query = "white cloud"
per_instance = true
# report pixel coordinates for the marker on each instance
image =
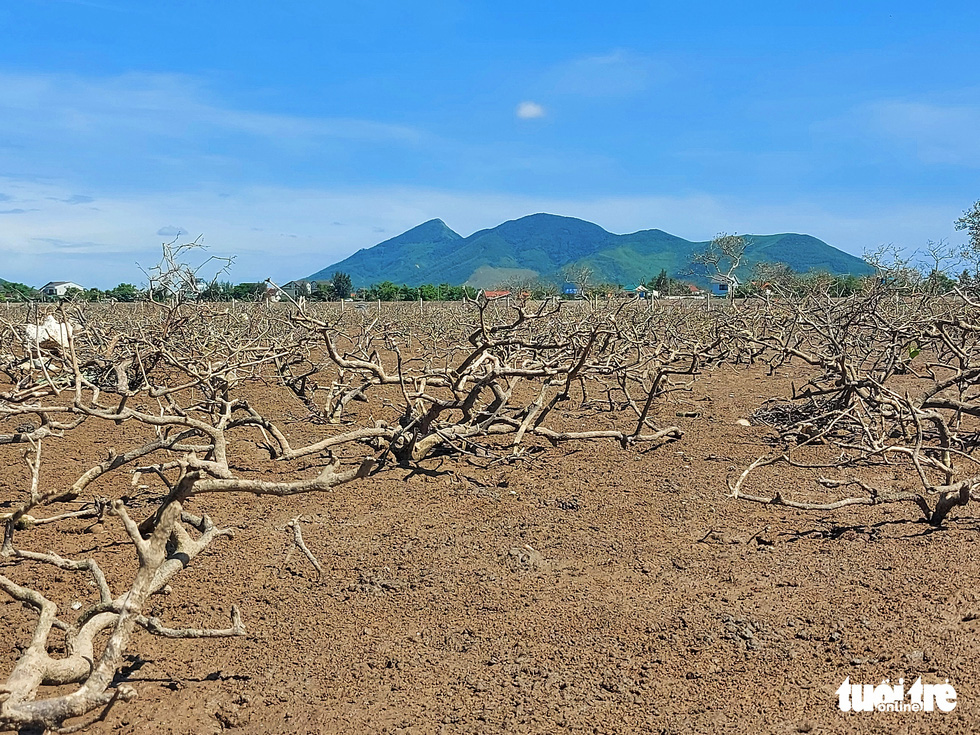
(530, 110)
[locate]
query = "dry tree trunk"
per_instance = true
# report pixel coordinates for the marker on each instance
(176, 373)
(896, 378)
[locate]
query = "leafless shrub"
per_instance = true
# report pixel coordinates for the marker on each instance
(476, 381)
(896, 375)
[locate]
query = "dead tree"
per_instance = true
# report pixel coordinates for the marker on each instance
(896, 373)
(177, 374)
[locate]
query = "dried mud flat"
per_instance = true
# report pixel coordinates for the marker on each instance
(586, 589)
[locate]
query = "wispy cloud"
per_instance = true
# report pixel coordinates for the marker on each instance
(169, 125)
(910, 132)
(168, 105)
(528, 110)
(937, 133)
(617, 73)
(55, 245)
(285, 233)
(76, 199)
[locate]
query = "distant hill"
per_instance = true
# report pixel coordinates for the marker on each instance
(542, 245)
(13, 290)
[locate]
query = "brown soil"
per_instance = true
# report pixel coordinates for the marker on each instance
(585, 589)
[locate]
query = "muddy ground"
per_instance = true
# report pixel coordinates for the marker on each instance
(587, 588)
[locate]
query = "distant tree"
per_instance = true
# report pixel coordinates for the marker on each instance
(176, 278)
(968, 282)
(428, 292)
(604, 290)
(516, 286)
(455, 293)
(937, 282)
(217, 291)
(894, 267)
(407, 293)
(776, 278)
(849, 284)
(521, 288)
(836, 285)
(248, 291)
(11, 291)
(385, 291)
(341, 285)
(722, 258)
(666, 285)
(579, 276)
(123, 292)
(542, 289)
(970, 221)
(662, 283)
(320, 291)
(73, 294)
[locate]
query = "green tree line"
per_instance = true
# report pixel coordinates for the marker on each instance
(388, 291)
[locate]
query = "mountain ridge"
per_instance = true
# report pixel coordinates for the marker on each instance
(543, 245)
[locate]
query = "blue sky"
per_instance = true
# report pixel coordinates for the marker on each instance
(291, 134)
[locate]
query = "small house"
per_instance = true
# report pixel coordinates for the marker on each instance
(295, 289)
(642, 292)
(57, 289)
(724, 286)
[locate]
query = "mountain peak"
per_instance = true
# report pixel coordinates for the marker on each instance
(542, 222)
(435, 230)
(543, 245)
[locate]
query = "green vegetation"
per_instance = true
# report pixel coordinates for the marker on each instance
(970, 221)
(225, 291)
(536, 256)
(10, 291)
(773, 279)
(667, 286)
(122, 292)
(341, 285)
(388, 291)
(543, 246)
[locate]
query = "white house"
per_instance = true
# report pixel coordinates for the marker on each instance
(57, 289)
(642, 292)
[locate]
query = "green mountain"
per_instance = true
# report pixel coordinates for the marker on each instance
(543, 245)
